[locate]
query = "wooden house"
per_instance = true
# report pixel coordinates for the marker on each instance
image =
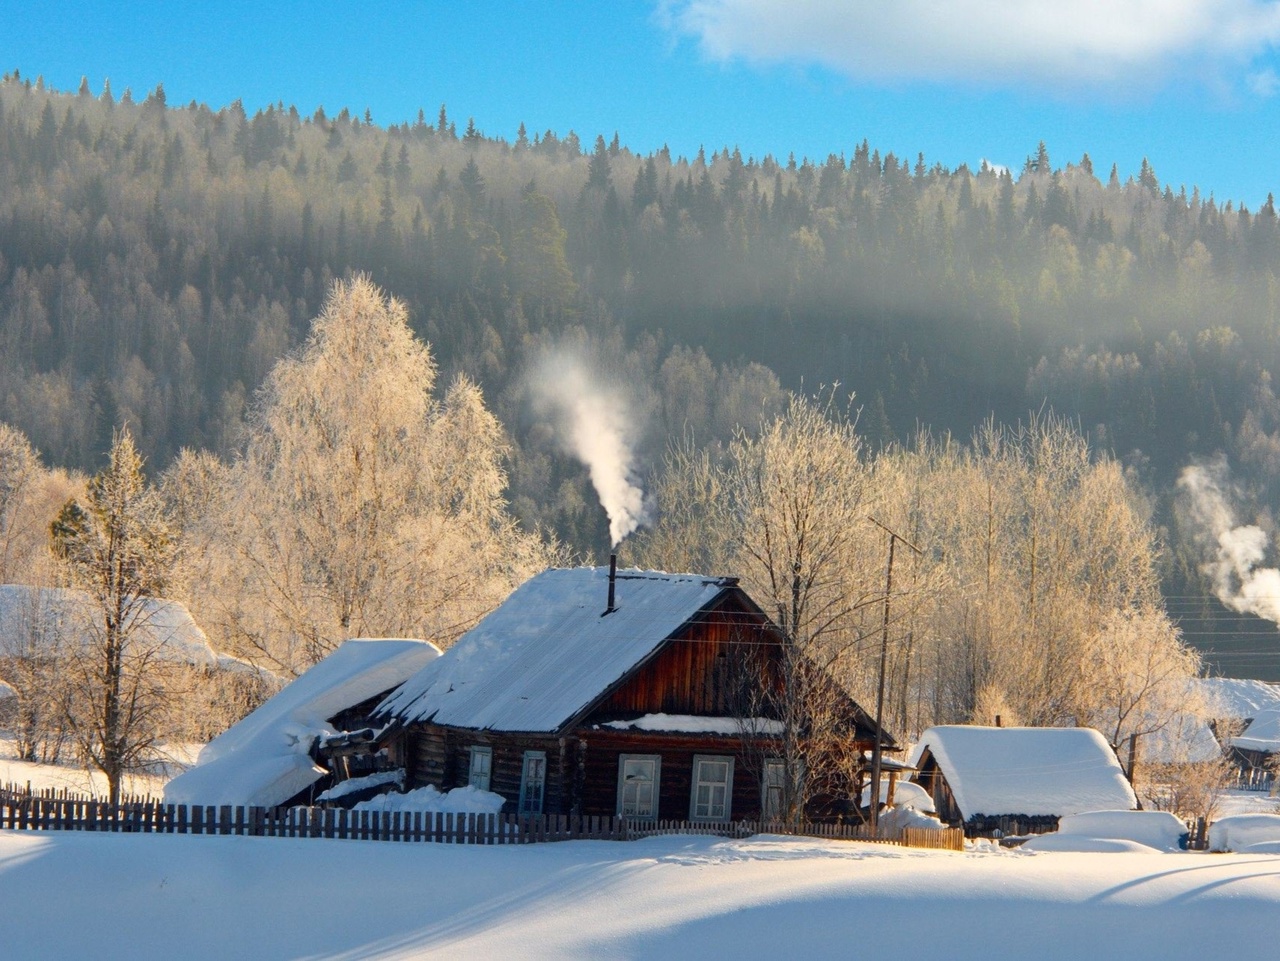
(1256, 747)
(987, 778)
(594, 694)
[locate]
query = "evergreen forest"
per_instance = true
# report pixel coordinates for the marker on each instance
(158, 259)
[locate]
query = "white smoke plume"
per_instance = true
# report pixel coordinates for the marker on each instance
(591, 424)
(1234, 551)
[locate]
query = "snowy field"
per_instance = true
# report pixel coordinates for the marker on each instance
(163, 897)
(76, 779)
(80, 781)
(79, 895)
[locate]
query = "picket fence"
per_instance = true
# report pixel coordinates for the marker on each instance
(22, 809)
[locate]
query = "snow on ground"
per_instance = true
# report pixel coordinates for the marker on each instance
(76, 779)
(1246, 802)
(164, 896)
(466, 800)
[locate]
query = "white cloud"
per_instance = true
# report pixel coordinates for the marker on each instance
(1044, 43)
(1265, 83)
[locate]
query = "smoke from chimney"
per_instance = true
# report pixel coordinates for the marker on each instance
(1233, 551)
(591, 424)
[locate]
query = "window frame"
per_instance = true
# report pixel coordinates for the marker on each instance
(480, 750)
(523, 806)
(656, 782)
(696, 781)
(779, 765)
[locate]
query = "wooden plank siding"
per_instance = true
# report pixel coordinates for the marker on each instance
(930, 777)
(698, 670)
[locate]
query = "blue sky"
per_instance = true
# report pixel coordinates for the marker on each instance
(1194, 85)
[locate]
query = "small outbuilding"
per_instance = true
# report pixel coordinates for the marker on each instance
(312, 733)
(594, 693)
(988, 779)
(1257, 746)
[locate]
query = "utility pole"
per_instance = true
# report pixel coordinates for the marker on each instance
(894, 537)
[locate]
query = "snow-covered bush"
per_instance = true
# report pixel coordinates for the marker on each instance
(1252, 833)
(1150, 830)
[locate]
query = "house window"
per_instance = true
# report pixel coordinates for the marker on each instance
(481, 767)
(533, 781)
(712, 796)
(771, 793)
(638, 785)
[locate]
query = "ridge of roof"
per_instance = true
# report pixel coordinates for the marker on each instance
(551, 648)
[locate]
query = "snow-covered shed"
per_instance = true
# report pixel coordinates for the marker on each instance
(980, 777)
(269, 758)
(1259, 742)
(600, 695)
(1246, 716)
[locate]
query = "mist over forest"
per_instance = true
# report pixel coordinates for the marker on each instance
(157, 259)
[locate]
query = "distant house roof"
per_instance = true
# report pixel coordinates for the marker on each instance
(1262, 733)
(1237, 698)
(264, 759)
(550, 650)
(42, 616)
(1032, 771)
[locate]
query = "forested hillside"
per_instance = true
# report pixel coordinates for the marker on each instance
(156, 259)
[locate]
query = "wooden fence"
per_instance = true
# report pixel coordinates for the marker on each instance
(1253, 779)
(26, 810)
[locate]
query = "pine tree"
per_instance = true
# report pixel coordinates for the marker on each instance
(598, 167)
(117, 548)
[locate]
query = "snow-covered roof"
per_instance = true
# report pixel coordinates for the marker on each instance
(264, 759)
(46, 616)
(1185, 738)
(698, 724)
(550, 650)
(1238, 698)
(1262, 733)
(1027, 770)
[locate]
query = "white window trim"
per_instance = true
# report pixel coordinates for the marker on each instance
(657, 780)
(693, 788)
(542, 785)
(478, 749)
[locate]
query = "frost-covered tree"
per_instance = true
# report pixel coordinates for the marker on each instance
(362, 505)
(1036, 599)
(785, 510)
(30, 496)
